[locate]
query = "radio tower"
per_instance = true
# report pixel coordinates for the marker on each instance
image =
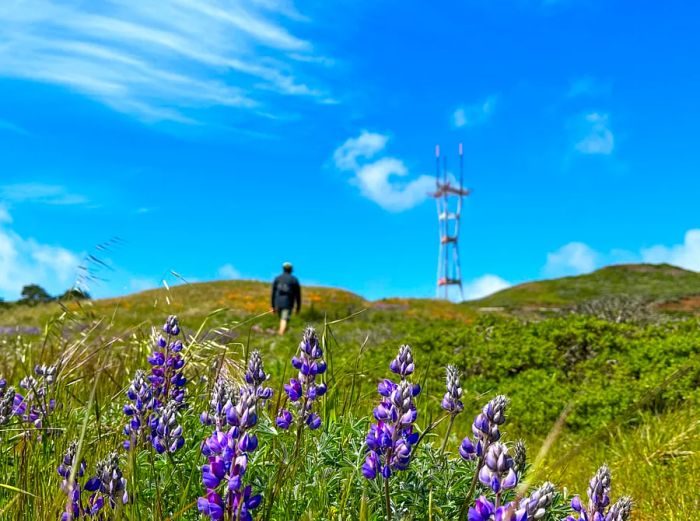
(448, 196)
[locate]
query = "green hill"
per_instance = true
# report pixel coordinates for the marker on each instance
(650, 282)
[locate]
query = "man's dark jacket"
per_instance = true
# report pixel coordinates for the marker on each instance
(286, 292)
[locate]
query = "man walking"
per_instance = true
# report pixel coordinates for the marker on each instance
(286, 293)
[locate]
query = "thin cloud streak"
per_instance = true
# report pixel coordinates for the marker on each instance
(150, 60)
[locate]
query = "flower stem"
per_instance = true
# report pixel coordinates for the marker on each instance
(470, 492)
(447, 434)
(387, 499)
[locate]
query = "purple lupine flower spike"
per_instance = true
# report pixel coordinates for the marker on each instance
(497, 471)
(599, 500)
(390, 441)
(156, 398)
(108, 485)
(403, 363)
(304, 390)
(256, 377)
(227, 451)
(535, 506)
(223, 395)
(71, 489)
(451, 400)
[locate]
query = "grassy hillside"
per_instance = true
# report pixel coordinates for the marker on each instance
(650, 282)
(629, 392)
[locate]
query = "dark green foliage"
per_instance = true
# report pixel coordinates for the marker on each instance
(33, 294)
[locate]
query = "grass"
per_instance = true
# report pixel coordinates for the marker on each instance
(651, 282)
(631, 391)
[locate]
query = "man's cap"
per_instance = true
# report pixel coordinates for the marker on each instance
(287, 265)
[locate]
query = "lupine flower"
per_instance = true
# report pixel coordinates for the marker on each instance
(451, 401)
(138, 410)
(10, 403)
(158, 397)
(304, 390)
(599, 499)
(519, 457)
(36, 405)
(166, 432)
(222, 395)
(485, 428)
(227, 454)
(485, 510)
(71, 489)
(107, 486)
(534, 507)
(497, 471)
(390, 440)
(255, 376)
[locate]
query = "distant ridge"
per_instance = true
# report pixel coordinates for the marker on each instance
(650, 282)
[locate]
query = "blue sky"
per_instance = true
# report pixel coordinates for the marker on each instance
(220, 138)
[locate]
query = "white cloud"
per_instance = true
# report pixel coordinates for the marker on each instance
(227, 271)
(484, 286)
(158, 60)
(40, 193)
(573, 258)
(685, 255)
(475, 114)
(595, 136)
(26, 261)
(383, 180)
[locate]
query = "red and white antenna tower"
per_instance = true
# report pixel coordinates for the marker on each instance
(449, 195)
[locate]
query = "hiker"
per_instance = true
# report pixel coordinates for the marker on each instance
(286, 292)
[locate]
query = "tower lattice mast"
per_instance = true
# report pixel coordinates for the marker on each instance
(448, 195)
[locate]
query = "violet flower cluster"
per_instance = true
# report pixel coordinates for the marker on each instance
(451, 401)
(527, 509)
(156, 399)
(304, 390)
(233, 414)
(391, 439)
(227, 452)
(485, 429)
(10, 402)
(34, 407)
(107, 486)
(598, 501)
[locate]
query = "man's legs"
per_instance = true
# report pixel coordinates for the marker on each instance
(284, 320)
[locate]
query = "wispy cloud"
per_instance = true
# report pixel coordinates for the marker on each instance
(484, 286)
(384, 180)
(40, 193)
(594, 134)
(573, 258)
(159, 60)
(227, 271)
(576, 258)
(474, 114)
(26, 261)
(686, 255)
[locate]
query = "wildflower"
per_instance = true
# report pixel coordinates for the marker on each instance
(222, 395)
(256, 377)
(451, 401)
(599, 499)
(11, 403)
(71, 488)
(138, 410)
(304, 390)
(166, 432)
(534, 507)
(391, 439)
(485, 426)
(519, 457)
(107, 485)
(156, 398)
(497, 471)
(227, 454)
